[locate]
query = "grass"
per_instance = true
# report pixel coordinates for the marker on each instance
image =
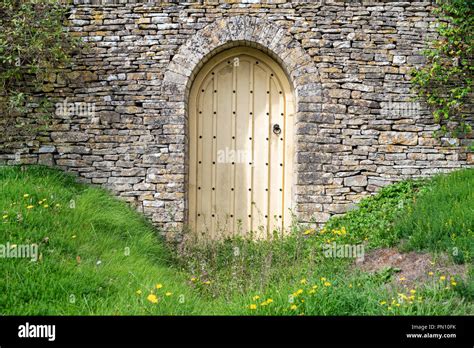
(98, 256)
(443, 217)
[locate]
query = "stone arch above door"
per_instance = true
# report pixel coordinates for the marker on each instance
(245, 31)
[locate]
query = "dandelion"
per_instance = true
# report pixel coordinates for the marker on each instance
(350, 285)
(303, 281)
(5, 216)
(45, 206)
(269, 300)
(255, 298)
(327, 284)
(398, 304)
(194, 279)
(300, 291)
(168, 293)
(253, 306)
(138, 292)
(312, 291)
(453, 283)
(315, 286)
(389, 308)
(207, 282)
(323, 279)
(309, 231)
(430, 273)
(293, 307)
(403, 296)
(29, 207)
(413, 291)
(152, 298)
(159, 286)
(442, 278)
(26, 195)
(402, 279)
(383, 302)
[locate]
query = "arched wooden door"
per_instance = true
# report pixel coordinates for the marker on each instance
(241, 120)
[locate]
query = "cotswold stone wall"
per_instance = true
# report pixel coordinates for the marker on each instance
(348, 61)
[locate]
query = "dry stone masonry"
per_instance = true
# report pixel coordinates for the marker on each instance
(348, 61)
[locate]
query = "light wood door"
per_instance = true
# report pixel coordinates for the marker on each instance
(241, 116)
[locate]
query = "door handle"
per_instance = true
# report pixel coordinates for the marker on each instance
(276, 128)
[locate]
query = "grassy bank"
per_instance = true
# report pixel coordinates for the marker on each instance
(98, 256)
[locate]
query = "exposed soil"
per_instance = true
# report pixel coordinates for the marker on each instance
(414, 267)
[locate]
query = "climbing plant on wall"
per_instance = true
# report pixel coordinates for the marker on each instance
(33, 47)
(445, 81)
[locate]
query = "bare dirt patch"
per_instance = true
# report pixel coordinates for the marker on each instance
(412, 267)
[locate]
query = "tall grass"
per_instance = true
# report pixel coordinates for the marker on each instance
(442, 217)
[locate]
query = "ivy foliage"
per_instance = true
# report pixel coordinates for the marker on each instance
(34, 46)
(445, 81)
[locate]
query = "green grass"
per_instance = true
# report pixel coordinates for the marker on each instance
(96, 252)
(443, 217)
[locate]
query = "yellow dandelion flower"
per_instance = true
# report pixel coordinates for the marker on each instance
(323, 279)
(253, 306)
(293, 307)
(152, 298)
(389, 308)
(398, 304)
(350, 285)
(40, 202)
(302, 300)
(194, 279)
(453, 283)
(309, 231)
(269, 300)
(255, 298)
(26, 195)
(168, 293)
(29, 207)
(327, 284)
(45, 206)
(299, 291)
(312, 291)
(207, 282)
(5, 216)
(139, 292)
(315, 286)
(413, 291)
(442, 278)
(402, 279)
(303, 281)
(430, 273)
(383, 302)
(159, 286)
(264, 303)
(57, 205)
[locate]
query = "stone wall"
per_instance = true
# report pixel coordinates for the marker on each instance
(348, 61)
